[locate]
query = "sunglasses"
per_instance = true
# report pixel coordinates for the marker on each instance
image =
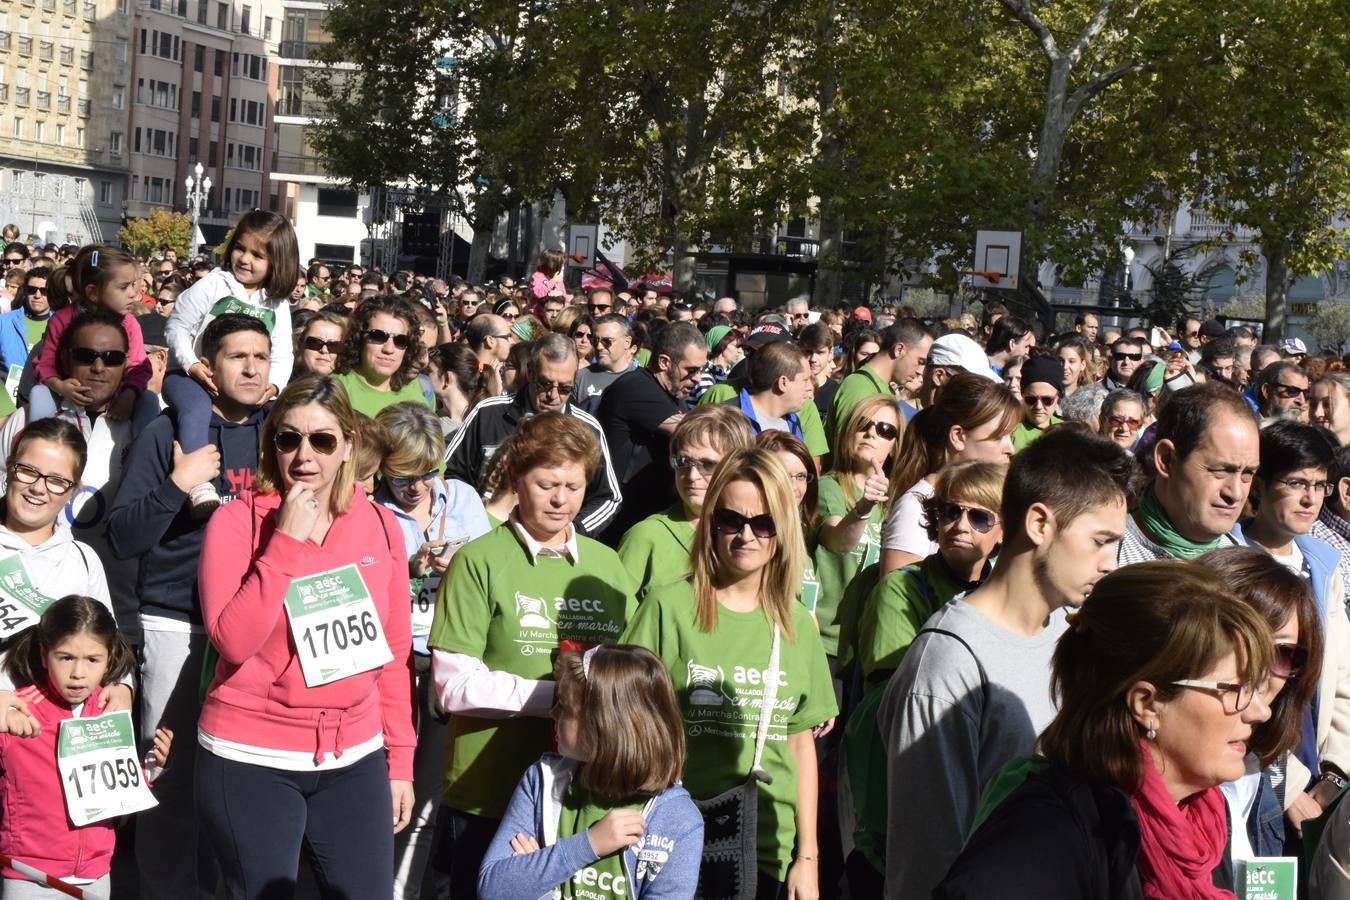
(982, 520)
(728, 521)
(607, 342)
(165, 273)
(1289, 660)
(1129, 422)
(37, 290)
(324, 442)
(1118, 357)
(165, 301)
(319, 345)
(885, 430)
(581, 335)
(1290, 391)
(15, 260)
(599, 308)
(86, 357)
(377, 337)
(705, 467)
(402, 481)
(564, 389)
(1038, 400)
(510, 317)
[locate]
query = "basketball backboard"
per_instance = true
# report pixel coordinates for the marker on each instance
(997, 253)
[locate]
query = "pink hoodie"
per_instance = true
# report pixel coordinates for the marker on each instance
(34, 827)
(258, 695)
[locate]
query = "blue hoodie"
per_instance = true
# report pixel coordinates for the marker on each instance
(664, 864)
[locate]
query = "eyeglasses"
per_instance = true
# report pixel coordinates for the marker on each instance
(1040, 400)
(1129, 422)
(728, 521)
(1191, 334)
(402, 481)
(165, 301)
(1289, 660)
(705, 467)
(377, 337)
(319, 345)
(34, 289)
(324, 442)
(501, 337)
(463, 303)
(323, 278)
(982, 520)
(86, 356)
(1119, 357)
(510, 317)
(25, 474)
(1290, 391)
(597, 308)
(563, 389)
(15, 260)
(1241, 693)
(1304, 486)
(608, 342)
(581, 335)
(885, 430)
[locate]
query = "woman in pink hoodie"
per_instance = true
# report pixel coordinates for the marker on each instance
(307, 729)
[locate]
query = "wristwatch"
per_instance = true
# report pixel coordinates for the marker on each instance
(1327, 787)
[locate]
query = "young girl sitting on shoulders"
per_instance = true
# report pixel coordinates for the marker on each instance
(605, 816)
(59, 665)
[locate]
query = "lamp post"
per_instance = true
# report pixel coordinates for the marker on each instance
(198, 190)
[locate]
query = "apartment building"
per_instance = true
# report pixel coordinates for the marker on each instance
(64, 107)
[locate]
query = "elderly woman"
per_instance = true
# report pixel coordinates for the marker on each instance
(318, 343)
(506, 604)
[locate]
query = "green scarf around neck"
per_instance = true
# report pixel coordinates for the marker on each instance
(1159, 528)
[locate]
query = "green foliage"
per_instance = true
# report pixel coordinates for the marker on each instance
(161, 228)
(1329, 324)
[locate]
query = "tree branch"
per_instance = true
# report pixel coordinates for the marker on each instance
(1090, 31)
(1021, 10)
(1085, 92)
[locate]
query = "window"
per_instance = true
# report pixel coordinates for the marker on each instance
(335, 251)
(267, 28)
(115, 143)
(212, 154)
(203, 8)
(220, 64)
(337, 203)
(222, 17)
(198, 58)
(234, 105)
(143, 39)
(192, 148)
(79, 137)
(196, 104)
(18, 127)
(60, 134)
(136, 140)
(105, 192)
(121, 51)
(119, 96)
(245, 17)
(215, 109)
(39, 127)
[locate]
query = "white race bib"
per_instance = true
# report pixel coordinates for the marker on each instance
(12, 379)
(21, 604)
(336, 629)
(100, 774)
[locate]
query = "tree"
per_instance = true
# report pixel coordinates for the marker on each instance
(1329, 324)
(161, 228)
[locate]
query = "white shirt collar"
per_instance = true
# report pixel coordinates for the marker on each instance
(568, 550)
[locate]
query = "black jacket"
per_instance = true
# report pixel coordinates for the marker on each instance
(492, 421)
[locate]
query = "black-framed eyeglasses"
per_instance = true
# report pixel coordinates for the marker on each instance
(86, 356)
(562, 388)
(1304, 486)
(319, 345)
(1242, 694)
(981, 519)
(704, 467)
(377, 337)
(1290, 391)
(57, 485)
(729, 522)
(885, 430)
(1289, 660)
(402, 481)
(15, 260)
(324, 442)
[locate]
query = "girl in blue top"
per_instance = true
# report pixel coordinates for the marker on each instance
(603, 817)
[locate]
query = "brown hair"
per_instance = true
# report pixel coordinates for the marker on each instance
(71, 615)
(372, 444)
(783, 573)
(716, 425)
(1256, 578)
(1158, 622)
(283, 250)
(551, 262)
(92, 271)
(776, 441)
(629, 729)
(332, 396)
(349, 357)
(552, 439)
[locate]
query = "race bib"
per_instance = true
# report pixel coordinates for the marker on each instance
(21, 604)
(12, 379)
(871, 545)
(234, 305)
(810, 589)
(424, 591)
(336, 629)
(100, 775)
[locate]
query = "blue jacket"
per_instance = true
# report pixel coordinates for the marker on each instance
(664, 864)
(13, 340)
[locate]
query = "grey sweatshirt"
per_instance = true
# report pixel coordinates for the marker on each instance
(944, 742)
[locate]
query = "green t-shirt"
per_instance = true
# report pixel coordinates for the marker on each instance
(656, 550)
(834, 571)
(496, 605)
(854, 389)
(900, 603)
(606, 878)
(719, 677)
(34, 329)
(1024, 434)
(368, 401)
(808, 417)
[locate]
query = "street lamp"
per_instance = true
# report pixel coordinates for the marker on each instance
(198, 190)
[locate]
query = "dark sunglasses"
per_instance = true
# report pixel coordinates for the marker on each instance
(33, 289)
(1122, 356)
(1047, 402)
(1290, 391)
(564, 389)
(402, 481)
(319, 345)
(728, 521)
(607, 342)
(85, 356)
(982, 520)
(322, 441)
(15, 260)
(377, 337)
(1289, 660)
(584, 335)
(510, 317)
(885, 430)
(599, 307)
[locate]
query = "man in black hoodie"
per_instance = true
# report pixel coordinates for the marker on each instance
(152, 522)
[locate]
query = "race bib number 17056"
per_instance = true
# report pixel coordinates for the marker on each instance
(335, 625)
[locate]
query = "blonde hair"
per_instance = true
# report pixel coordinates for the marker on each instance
(783, 573)
(974, 480)
(416, 442)
(332, 396)
(846, 457)
(716, 425)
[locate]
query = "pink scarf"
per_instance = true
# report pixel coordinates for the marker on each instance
(1179, 845)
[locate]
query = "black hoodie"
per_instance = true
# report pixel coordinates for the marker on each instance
(150, 518)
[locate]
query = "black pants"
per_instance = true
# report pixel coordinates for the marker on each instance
(257, 818)
(460, 844)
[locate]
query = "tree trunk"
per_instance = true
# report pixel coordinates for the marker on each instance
(684, 275)
(1050, 146)
(1277, 285)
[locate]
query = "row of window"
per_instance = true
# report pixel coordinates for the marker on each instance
(162, 44)
(247, 65)
(244, 156)
(155, 142)
(57, 135)
(69, 7)
(247, 112)
(163, 94)
(222, 19)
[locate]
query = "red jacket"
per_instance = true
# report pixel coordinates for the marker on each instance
(258, 695)
(35, 828)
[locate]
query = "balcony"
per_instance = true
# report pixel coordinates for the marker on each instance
(297, 49)
(86, 59)
(44, 100)
(46, 51)
(70, 7)
(83, 108)
(63, 104)
(5, 40)
(22, 96)
(67, 56)
(299, 165)
(4, 93)
(90, 10)
(25, 45)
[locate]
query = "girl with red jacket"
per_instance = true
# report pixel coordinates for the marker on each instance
(307, 727)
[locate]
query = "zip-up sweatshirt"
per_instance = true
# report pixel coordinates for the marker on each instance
(664, 863)
(34, 827)
(150, 520)
(211, 297)
(258, 696)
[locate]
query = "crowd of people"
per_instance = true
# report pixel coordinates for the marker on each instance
(423, 589)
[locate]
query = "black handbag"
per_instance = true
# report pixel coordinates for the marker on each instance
(729, 869)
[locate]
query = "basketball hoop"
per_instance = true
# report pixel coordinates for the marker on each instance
(995, 277)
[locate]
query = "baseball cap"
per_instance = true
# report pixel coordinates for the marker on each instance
(767, 333)
(862, 313)
(959, 351)
(1293, 347)
(1212, 328)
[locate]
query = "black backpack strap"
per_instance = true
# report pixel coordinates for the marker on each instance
(984, 677)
